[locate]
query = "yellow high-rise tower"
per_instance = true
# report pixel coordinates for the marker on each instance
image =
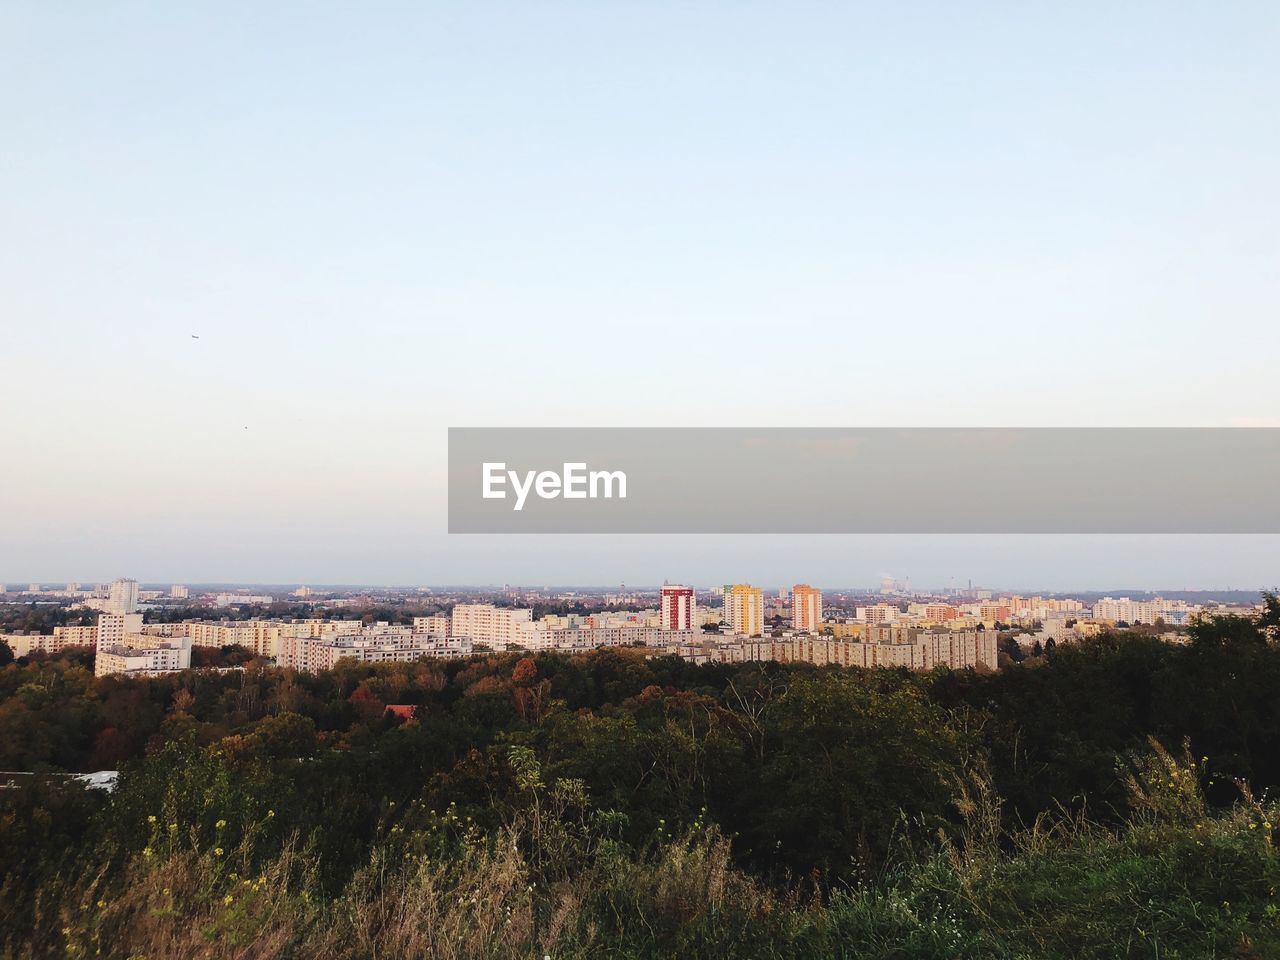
(744, 609)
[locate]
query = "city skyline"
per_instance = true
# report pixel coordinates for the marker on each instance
(738, 623)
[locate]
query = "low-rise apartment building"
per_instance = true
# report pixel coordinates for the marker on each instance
(23, 644)
(143, 656)
(883, 646)
(310, 654)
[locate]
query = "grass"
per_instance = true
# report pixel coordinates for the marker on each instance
(1174, 882)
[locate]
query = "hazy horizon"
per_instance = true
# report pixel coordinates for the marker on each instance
(866, 589)
(1135, 562)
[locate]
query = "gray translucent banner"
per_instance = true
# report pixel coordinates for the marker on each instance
(864, 480)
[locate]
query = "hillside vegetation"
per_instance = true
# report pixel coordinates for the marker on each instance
(1107, 800)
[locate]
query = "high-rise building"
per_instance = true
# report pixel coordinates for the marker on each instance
(806, 607)
(123, 596)
(677, 608)
(113, 628)
(498, 627)
(179, 592)
(437, 626)
(744, 609)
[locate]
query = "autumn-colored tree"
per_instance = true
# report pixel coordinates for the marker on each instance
(366, 703)
(528, 692)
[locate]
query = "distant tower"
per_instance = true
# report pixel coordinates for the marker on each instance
(123, 596)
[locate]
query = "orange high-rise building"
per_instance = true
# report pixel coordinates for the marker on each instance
(806, 607)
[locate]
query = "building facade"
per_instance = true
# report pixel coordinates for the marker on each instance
(122, 597)
(677, 608)
(497, 627)
(744, 609)
(143, 657)
(806, 607)
(909, 648)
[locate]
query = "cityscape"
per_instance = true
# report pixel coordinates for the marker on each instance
(148, 632)
(630, 481)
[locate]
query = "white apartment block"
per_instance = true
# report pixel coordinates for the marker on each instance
(580, 638)
(438, 626)
(266, 638)
(878, 613)
(234, 599)
(143, 656)
(122, 596)
(113, 628)
(497, 627)
(260, 636)
(911, 648)
(637, 618)
(23, 644)
(1144, 611)
(310, 654)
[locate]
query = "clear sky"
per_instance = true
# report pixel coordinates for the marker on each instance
(382, 220)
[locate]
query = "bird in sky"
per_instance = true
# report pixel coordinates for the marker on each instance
(195, 337)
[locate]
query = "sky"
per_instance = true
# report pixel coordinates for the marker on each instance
(384, 220)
